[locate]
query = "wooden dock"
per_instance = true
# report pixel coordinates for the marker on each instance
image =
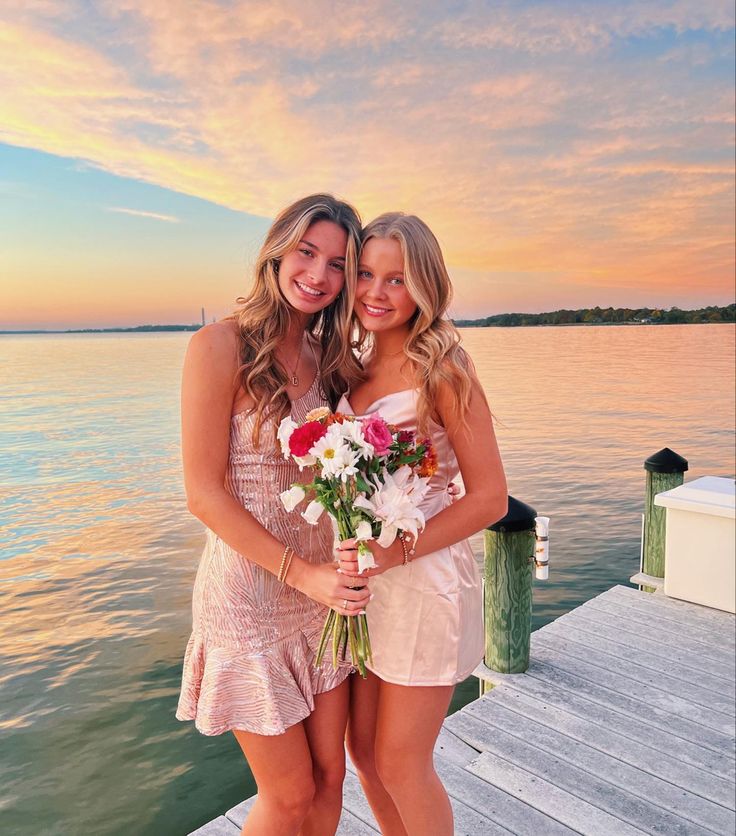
(623, 724)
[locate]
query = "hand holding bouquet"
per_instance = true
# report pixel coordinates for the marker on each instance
(370, 477)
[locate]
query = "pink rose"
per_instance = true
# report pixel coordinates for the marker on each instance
(377, 433)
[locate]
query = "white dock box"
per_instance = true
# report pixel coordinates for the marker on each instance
(700, 545)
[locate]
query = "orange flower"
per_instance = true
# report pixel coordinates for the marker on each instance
(428, 465)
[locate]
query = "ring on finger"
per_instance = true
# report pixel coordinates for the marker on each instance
(345, 604)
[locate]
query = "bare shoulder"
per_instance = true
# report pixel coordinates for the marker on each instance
(216, 343)
(445, 403)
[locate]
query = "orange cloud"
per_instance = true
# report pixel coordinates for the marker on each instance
(545, 165)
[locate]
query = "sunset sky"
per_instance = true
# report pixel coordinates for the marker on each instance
(566, 154)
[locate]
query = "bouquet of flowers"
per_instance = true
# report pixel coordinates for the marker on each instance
(370, 477)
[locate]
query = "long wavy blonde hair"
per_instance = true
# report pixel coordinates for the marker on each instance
(433, 344)
(264, 315)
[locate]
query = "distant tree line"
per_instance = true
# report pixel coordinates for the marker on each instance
(603, 316)
(136, 329)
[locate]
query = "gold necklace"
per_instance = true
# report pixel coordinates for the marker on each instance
(402, 350)
(292, 373)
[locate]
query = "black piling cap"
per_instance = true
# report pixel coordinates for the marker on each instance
(520, 517)
(666, 461)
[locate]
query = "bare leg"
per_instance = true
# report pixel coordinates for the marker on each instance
(408, 722)
(282, 767)
(325, 730)
(361, 741)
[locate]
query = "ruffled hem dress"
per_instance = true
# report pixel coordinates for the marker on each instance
(249, 663)
(426, 619)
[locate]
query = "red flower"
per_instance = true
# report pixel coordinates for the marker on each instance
(405, 437)
(305, 437)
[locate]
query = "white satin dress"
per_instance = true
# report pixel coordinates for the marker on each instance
(426, 618)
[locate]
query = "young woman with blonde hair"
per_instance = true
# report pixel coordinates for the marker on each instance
(425, 617)
(266, 578)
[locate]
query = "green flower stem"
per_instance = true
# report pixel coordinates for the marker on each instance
(324, 638)
(365, 642)
(336, 639)
(355, 646)
(345, 631)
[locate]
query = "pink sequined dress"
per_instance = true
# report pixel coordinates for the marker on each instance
(249, 663)
(426, 619)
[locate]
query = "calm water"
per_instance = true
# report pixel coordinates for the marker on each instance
(98, 553)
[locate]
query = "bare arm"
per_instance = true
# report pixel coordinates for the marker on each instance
(208, 391)
(485, 499)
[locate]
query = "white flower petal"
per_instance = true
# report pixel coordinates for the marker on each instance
(352, 432)
(362, 502)
(387, 535)
(293, 497)
(313, 512)
(363, 531)
(286, 428)
(365, 559)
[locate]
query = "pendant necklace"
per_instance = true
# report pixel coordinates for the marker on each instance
(293, 376)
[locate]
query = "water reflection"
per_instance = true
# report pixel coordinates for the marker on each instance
(99, 554)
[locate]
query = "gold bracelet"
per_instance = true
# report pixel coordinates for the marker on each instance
(288, 566)
(281, 574)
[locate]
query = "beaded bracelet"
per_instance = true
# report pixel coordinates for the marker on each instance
(409, 551)
(288, 566)
(285, 563)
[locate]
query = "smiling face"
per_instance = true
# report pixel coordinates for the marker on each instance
(312, 275)
(382, 301)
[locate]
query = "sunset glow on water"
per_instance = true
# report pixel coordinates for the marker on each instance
(99, 552)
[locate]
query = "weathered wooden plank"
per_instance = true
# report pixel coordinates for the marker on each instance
(469, 822)
(217, 827)
(351, 825)
(685, 612)
(659, 691)
(574, 631)
(449, 747)
(664, 645)
(559, 763)
(644, 753)
(620, 720)
(698, 624)
(238, 813)
(650, 624)
(549, 668)
(496, 805)
(642, 579)
(548, 798)
(644, 782)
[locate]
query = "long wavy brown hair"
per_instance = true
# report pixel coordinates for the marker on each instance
(433, 344)
(264, 315)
